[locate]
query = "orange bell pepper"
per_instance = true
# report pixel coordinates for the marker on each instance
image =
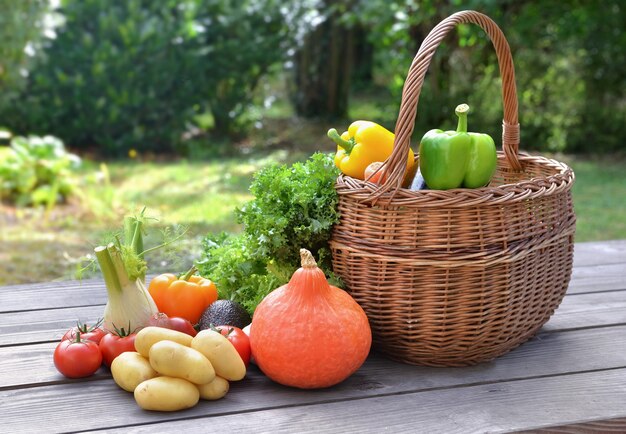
(186, 297)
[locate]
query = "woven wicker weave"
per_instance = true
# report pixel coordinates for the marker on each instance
(457, 277)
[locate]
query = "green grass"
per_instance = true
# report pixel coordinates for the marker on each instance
(198, 195)
(39, 246)
(599, 198)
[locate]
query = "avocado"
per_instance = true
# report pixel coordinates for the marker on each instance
(225, 312)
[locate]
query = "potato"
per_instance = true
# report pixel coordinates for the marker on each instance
(216, 389)
(176, 360)
(131, 368)
(221, 353)
(149, 336)
(166, 394)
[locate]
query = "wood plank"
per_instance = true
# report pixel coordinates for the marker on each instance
(598, 278)
(502, 407)
(53, 295)
(44, 325)
(512, 406)
(577, 311)
(24, 298)
(545, 354)
(599, 253)
(600, 309)
(23, 368)
(594, 427)
(33, 365)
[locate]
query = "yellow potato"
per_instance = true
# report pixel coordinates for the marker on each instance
(221, 353)
(216, 389)
(166, 394)
(131, 368)
(149, 336)
(176, 360)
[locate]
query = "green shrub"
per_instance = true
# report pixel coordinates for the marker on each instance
(134, 74)
(119, 75)
(37, 171)
(242, 40)
(569, 68)
(20, 35)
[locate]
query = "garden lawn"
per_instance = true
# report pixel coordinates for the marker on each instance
(36, 245)
(40, 246)
(599, 198)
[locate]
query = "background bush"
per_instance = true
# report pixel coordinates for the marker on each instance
(21, 31)
(238, 42)
(37, 171)
(131, 74)
(116, 77)
(124, 74)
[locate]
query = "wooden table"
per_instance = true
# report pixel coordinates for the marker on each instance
(573, 373)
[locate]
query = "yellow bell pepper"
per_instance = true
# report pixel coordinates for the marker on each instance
(364, 143)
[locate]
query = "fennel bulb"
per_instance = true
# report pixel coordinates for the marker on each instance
(124, 270)
(130, 304)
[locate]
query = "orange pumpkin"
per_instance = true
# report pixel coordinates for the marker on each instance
(308, 333)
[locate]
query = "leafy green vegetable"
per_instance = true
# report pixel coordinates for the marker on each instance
(37, 171)
(294, 207)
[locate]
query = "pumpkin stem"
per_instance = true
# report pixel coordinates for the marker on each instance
(308, 261)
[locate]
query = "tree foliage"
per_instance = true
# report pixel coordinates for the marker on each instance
(18, 43)
(238, 42)
(132, 74)
(569, 59)
(123, 74)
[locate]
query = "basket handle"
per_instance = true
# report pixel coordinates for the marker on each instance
(396, 163)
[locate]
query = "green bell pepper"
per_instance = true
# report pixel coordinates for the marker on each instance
(452, 159)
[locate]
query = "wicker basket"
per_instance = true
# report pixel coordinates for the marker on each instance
(457, 277)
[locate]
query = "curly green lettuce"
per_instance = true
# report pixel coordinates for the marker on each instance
(293, 207)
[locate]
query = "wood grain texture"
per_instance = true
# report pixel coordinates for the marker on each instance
(505, 407)
(553, 355)
(25, 298)
(546, 354)
(32, 365)
(598, 278)
(600, 309)
(593, 427)
(55, 295)
(570, 378)
(46, 325)
(599, 253)
(582, 310)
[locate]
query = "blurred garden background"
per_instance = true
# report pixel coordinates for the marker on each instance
(107, 106)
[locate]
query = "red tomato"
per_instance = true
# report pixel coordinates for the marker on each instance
(174, 323)
(116, 343)
(89, 333)
(76, 358)
(182, 325)
(374, 173)
(239, 339)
